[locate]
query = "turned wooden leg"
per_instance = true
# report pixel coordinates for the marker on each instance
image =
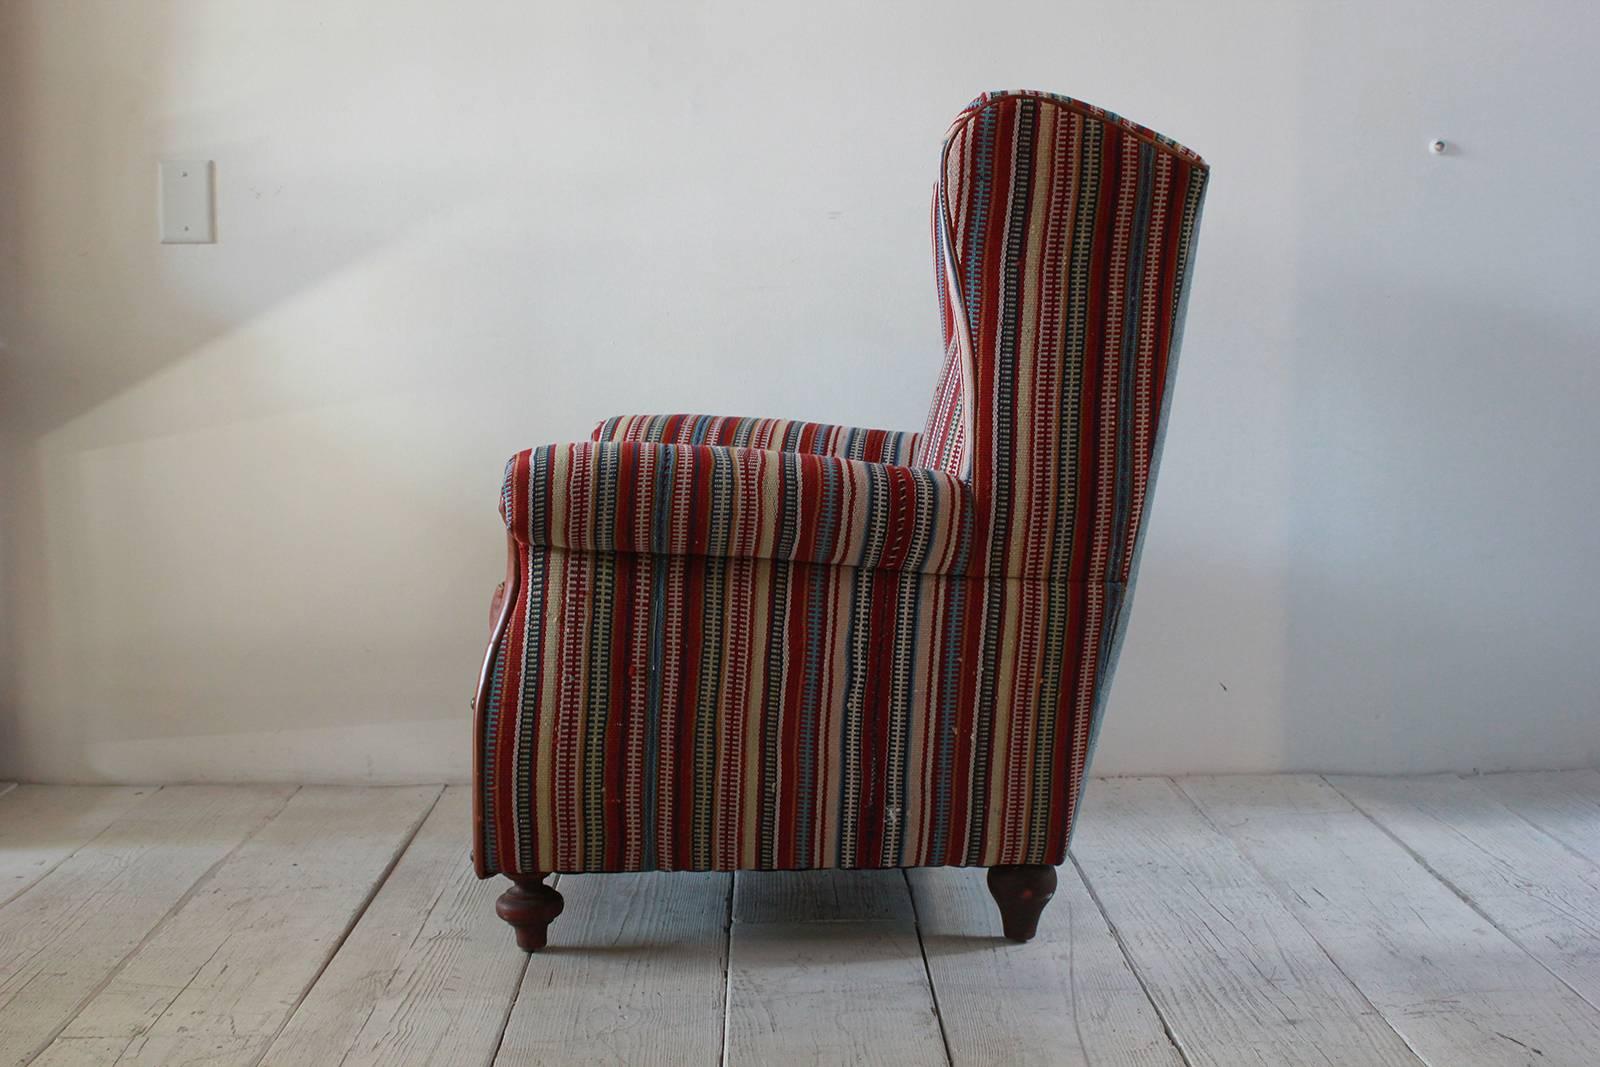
(1022, 892)
(530, 907)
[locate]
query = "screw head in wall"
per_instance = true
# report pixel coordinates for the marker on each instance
(1437, 147)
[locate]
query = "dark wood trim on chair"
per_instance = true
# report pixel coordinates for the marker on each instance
(1022, 892)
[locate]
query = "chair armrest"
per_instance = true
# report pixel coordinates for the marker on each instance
(777, 435)
(715, 500)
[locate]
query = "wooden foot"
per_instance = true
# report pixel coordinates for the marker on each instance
(1022, 892)
(530, 907)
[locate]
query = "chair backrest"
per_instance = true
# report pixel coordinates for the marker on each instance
(1063, 245)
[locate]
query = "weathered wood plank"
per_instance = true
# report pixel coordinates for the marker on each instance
(1236, 977)
(830, 993)
(1532, 888)
(821, 896)
(428, 974)
(67, 933)
(1564, 804)
(1068, 997)
(180, 936)
(633, 974)
(41, 825)
(1456, 988)
(217, 981)
(807, 983)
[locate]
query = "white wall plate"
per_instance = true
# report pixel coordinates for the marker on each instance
(187, 209)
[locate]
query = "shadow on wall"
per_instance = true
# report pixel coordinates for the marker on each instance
(99, 98)
(166, 527)
(260, 475)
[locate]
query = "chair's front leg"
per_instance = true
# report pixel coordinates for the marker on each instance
(530, 907)
(1022, 892)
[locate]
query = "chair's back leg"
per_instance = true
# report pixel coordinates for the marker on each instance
(1022, 891)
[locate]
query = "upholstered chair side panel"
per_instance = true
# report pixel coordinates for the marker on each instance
(707, 713)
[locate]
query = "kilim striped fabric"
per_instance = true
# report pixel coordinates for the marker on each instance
(734, 503)
(777, 435)
(760, 644)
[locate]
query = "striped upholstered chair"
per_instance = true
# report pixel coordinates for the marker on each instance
(754, 644)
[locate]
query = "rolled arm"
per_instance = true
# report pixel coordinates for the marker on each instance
(715, 500)
(777, 435)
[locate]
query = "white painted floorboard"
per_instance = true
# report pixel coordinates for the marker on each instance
(1237, 978)
(1522, 880)
(811, 983)
(1457, 989)
(41, 825)
(1069, 998)
(1230, 921)
(224, 972)
(67, 935)
(634, 974)
(1564, 804)
(426, 975)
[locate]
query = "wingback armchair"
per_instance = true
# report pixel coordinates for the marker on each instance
(757, 644)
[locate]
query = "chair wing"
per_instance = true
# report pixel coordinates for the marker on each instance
(1063, 242)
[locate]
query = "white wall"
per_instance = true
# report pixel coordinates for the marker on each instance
(250, 516)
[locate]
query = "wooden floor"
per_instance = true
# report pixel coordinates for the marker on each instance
(1221, 921)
